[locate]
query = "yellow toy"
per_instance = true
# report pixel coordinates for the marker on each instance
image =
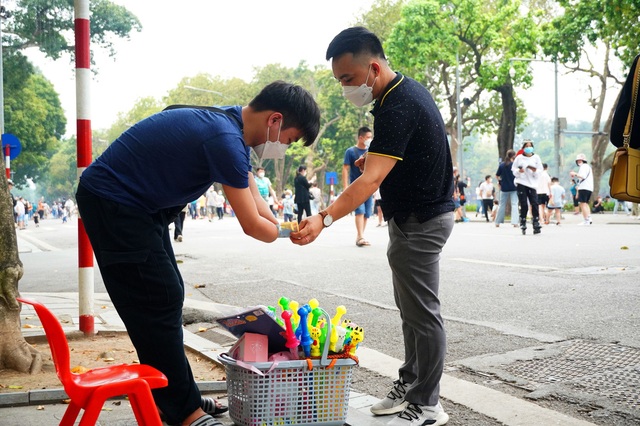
(315, 333)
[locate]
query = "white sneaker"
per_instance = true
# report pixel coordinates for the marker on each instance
(394, 401)
(585, 223)
(421, 415)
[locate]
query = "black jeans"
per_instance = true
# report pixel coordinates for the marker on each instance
(487, 205)
(303, 207)
(138, 266)
(525, 193)
(179, 223)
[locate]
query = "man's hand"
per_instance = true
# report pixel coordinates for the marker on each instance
(359, 163)
(310, 228)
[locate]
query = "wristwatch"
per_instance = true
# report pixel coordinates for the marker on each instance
(327, 219)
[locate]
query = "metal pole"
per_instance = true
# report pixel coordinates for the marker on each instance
(459, 114)
(2, 14)
(83, 131)
(7, 164)
(556, 124)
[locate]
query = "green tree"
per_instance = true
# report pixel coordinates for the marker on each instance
(49, 25)
(33, 113)
(484, 35)
(610, 29)
(62, 177)
(35, 116)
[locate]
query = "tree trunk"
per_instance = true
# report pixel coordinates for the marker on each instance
(507, 129)
(15, 352)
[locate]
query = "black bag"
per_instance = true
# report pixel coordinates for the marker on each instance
(311, 197)
(621, 114)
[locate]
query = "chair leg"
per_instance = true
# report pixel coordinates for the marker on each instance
(70, 415)
(143, 405)
(92, 411)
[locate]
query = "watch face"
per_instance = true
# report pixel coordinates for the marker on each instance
(328, 220)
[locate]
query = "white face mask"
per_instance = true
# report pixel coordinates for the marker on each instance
(367, 142)
(271, 150)
(360, 95)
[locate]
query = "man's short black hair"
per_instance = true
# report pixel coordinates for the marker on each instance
(363, 131)
(297, 106)
(355, 40)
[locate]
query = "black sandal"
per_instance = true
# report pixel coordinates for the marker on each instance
(212, 407)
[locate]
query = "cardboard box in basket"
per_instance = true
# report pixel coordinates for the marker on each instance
(251, 347)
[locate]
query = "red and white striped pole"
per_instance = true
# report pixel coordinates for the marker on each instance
(7, 158)
(83, 127)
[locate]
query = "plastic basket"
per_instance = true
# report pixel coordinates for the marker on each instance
(289, 393)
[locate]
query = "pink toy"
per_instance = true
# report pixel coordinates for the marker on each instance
(292, 340)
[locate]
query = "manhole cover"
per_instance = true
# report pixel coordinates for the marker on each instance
(605, 370)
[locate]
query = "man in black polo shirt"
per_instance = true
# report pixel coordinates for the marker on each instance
(409, 159)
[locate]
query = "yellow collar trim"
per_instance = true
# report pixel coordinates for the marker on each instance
(389, 91)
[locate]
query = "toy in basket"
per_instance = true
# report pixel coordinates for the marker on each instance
(290, 392)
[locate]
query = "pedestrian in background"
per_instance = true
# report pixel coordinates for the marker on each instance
(544, 186)
(526, 168)
(302, 185)
(486, 192)
(287, 206)
(556, 199)
(220, 201)
(178, 225)
(316, 203)
(584, 180)
(351, 172)
(508, 192)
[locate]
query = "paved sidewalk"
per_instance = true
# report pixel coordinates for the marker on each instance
(38, 408)
(42, 407)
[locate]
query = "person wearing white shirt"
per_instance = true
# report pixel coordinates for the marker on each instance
(544, 187)
(585, 187)
(526, 169)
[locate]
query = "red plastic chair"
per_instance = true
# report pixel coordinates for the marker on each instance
(90, 390)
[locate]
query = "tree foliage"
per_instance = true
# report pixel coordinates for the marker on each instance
(35, 116)
(48, 26)
(587, 36)
(484, 35)
(33, 113)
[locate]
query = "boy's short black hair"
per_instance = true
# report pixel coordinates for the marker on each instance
(355, 40)
(297, 106)
(301, 168)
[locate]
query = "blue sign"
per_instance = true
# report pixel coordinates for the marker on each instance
(14, 145)
(331, 178)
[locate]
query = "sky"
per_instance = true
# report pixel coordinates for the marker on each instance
(185, 38)
(230, 38)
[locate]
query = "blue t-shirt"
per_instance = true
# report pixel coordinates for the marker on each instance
(350, 157)
(170, 159)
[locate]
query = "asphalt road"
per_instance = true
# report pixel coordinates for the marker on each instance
(502, 295)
